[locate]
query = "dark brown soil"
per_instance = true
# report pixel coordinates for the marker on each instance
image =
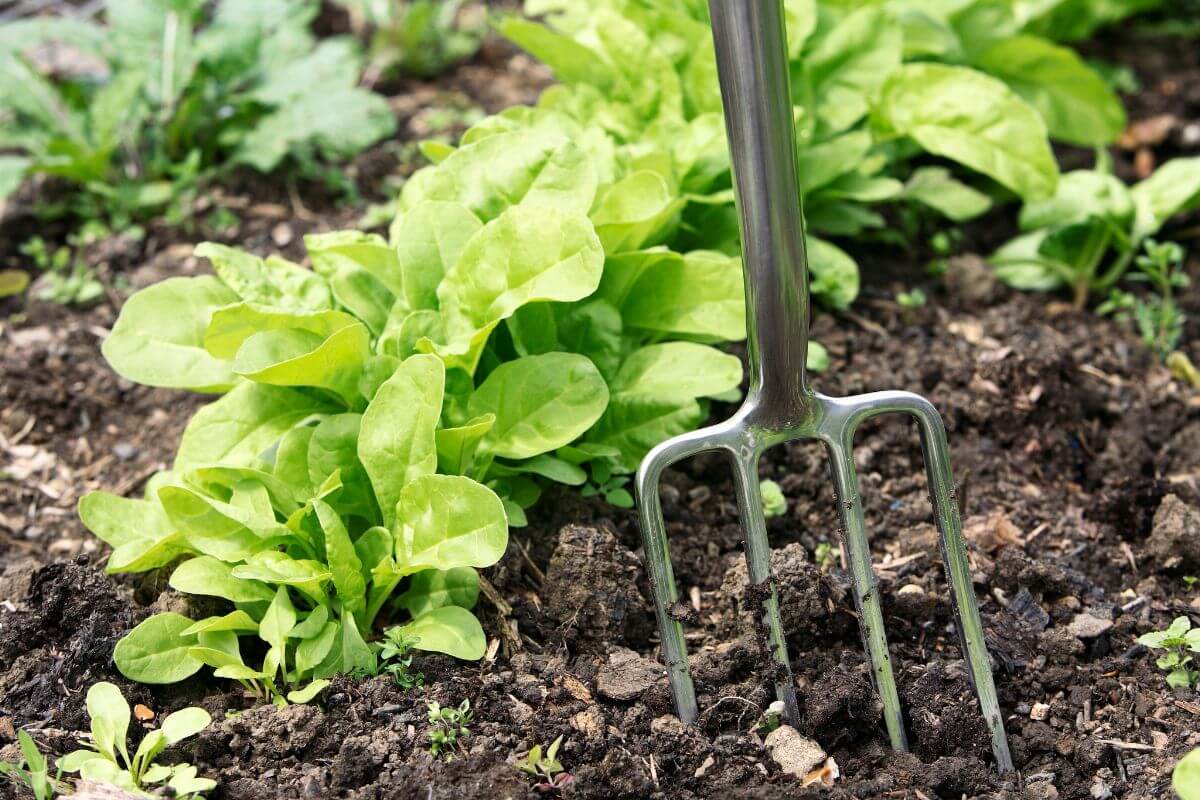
(1066, 436)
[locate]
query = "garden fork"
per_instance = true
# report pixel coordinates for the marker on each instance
(781, 407)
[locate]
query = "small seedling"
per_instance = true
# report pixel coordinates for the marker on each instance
(32, 771)
(449, 726)
(105, 757)
(912, 299)
(1186, 777)
(1158, 319)
(547, 768)
(771, 719)
(774, 503)
(609, 483)
(395, 658)
(825, 556)
(66, 279)
(1179, 641)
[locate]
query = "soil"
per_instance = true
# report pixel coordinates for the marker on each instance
(1077, 459)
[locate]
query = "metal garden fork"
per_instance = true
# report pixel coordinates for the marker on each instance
(781, 407)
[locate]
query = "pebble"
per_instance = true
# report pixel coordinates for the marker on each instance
(667, 724)
(124, 451)
(626, 675)
(1086, 626)
(795, 754)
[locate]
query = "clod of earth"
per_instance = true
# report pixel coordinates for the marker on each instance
(627, 675)
(1175, 538)
(795, 754)
(1088, 626)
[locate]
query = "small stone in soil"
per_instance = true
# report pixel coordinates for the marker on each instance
(124, 451)
(626, 675)
(1086, 626)
(795, 754)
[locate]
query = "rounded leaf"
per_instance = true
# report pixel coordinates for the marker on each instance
(451, 630)
(184, 723)
(450, 521)
(156, 651)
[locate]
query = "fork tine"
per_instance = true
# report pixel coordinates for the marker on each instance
(936, 451)
(758, 565)
(857, 551)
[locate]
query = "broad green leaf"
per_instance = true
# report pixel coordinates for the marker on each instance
(156, 651)
(282, 570)
(237, 429)
(973, 119)
(936, 188)
(397, 442)
(1019, 264)
(333, 448)
(205, 575)
(451, 630)
(834, 273)
(158, 339)
(1076, 103)
(699, 295)
(364, 295)
(429, 238)
(540, 170)
(220, 480)
(456, 446)
(1173, 189)
(355, 652)
(820, 164)
(1185, 779)
(526, 255)
(676, 372)
(1081, 195)
(236, 621)
(233, 325)
(184, 723)
(634, 212)
(571, 60)
(121, 520)
(448, 521)
(278, 621)
(223, 530)
(140, 555)
(847, 66)
(109, 713)
(623, 270)
(307, 693)
(300, 358)
(540, 403)
(342, 558)
(594, 329)
(291, 460)
(12, 173)
(312, 651)
(634, 425)
(312, 625)
(336, 251)
(549, 467)
(435, 588)
(274, 281)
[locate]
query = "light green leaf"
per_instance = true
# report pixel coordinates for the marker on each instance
(277, 568)
(156, 651)
(121, 520)
(1185, 779)
(274, 281)
(336, 251)
(205, 575)
(448, 521)
(973, 119)
(676, 372)
(313, 650)
(635, 211)
(456, 446)
(699, 295)
(451, 630)
(820, 164)
(278, 621)
(109, 713)
(233, 325)
(364, 295)
(300, 358)
(355, 652)
(1081, 195)
(433, 588)
(342, 558)
(12, 173)
(936, 188)
(1076, 103)
(238, 428)
(397, 442)
(429, 238)
(633, 425)
(158, 339)
(333, 448)
(236, 621)
(834, 273)
(184, 723)
(540, 403)
(1173, 189)
(306, 694)
(847, 66)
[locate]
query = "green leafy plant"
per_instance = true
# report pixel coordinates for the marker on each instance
(173, 101)
(395, 658)
(1185, 778)
(106, 758)
(32, 771)
(419, 37)
(773, 502)
(825, 556)
(912, 299)
(65, 279)
(449, 727)
(1179, 641)
(1158, 318)
(771, 719)
(1087, 235)
(545, 768)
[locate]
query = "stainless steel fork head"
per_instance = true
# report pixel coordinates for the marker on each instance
(752, 66)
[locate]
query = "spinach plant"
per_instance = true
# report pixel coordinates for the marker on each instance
(449, 727)
(105, 756)
(1178, 641)
(170, 101)
(32, 771)
(547, 769)
(395, 658)
(1087, 235)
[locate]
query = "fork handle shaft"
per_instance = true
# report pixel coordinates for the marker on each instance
(752, 64)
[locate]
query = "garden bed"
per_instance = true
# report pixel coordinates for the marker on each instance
(1067, 437)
